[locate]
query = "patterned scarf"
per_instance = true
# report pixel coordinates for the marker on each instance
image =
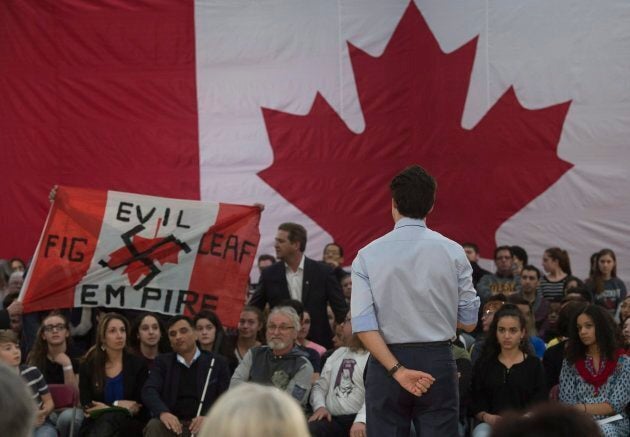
(597, 379)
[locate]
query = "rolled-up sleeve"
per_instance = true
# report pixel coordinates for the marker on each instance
(362, 301)
(468, 303)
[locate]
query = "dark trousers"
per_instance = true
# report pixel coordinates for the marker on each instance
(155, 428)
(391, 409)
(339, 426)
(111, 424)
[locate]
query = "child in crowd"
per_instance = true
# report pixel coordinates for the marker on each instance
(11, 355)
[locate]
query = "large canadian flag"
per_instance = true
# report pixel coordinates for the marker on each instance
(123, 250)
(522, 112)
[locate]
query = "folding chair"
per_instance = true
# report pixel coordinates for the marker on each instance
(65, 396)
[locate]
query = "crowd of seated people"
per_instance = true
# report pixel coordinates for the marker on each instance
(544, 335)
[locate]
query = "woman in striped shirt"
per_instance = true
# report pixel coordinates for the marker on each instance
(558, 271)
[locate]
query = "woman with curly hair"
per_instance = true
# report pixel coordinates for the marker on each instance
(595, 375)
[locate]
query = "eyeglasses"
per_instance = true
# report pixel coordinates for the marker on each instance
(281, 328)
(57, 327)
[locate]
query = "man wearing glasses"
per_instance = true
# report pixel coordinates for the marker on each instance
(503, 281)
(280, 363)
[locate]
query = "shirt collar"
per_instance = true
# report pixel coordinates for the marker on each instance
(300, 266)
(181, 359)
(407, 221)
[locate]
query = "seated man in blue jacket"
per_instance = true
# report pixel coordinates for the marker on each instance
(176, 383)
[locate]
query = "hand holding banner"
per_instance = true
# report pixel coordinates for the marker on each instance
(122, 250)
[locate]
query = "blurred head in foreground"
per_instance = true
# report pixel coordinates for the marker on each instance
(548, 420)
(252, 409)
(17, 409)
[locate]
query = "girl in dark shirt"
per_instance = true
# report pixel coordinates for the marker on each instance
(507, 376)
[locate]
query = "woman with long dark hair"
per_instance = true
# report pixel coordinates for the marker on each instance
(595, 375)
(148, 337)
(607, 289)
(507, 376)
(210, 333)
(110, 382)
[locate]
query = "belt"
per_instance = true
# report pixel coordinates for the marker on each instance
(424, 343)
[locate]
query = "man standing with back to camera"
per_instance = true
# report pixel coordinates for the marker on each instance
(411, 289)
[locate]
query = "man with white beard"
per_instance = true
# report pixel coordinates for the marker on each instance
(279, 363)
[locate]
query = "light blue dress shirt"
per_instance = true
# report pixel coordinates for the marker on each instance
(413, 285)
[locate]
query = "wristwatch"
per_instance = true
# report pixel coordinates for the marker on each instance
(394, 369)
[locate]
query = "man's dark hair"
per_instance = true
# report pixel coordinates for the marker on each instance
(532, 268)
(500, 248)
(413, 191)
(521, 254)
(473, 246)
(296, 232)
(266, 257)
(336, 245)
(580, 290)
(515, 299)
(176, 319)
(295, 304)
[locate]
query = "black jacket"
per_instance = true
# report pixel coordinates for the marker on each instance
(319, 287)
(134, 375)
(5, 320)
(159, 393)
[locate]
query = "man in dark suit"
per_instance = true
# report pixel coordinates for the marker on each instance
(297, 277)
(177, 380)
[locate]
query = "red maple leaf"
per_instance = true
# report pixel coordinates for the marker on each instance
(412, 98)
(152, 249)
